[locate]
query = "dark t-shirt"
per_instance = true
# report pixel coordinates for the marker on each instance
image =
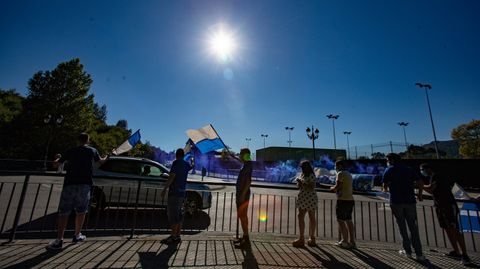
(442, 194)
(80, 162)
(401, 180)
(244, 180)
(180, 168)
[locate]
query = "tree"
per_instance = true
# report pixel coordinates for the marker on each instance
(10, 105)
(57, 108)
(378, 155)
(468, 135)
(122, 124)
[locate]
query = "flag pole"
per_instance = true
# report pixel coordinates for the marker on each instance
(218, 136)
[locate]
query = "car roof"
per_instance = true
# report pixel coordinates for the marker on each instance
(133, 159)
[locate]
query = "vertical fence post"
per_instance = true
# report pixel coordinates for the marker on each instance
(19, 209)
(136, 209)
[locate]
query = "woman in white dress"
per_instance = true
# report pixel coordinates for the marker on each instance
(307, 202)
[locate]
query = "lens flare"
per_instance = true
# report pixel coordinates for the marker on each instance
(263, 217)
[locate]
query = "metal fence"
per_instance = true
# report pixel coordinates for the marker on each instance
(28, 205)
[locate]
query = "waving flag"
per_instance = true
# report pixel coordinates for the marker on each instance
(129, 144)
(206, 139)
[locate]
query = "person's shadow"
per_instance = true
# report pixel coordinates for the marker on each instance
(249, 260)
(370, 260)
(332, 262)
(154, 261)
(29, 263)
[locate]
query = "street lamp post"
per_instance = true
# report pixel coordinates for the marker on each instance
(248, 142)
(347, 133)
(333, 118)
(403, 125)
(429, 87)
(312, 134)
(289, 129)
(264, 137)
(54, 121)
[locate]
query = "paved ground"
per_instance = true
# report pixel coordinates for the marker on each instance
(211, 250)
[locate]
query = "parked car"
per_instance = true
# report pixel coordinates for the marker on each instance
(116, 183)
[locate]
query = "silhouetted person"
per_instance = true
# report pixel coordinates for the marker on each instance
(242, 195)
(204, 172)
(76, 188)
(447, 210)
(146, 171)
(176, 185)
(307, 202)
(401, 181)
(345, 203)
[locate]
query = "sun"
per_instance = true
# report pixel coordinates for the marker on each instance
(222, 44)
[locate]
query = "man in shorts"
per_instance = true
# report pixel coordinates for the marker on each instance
(345, 203)
(76, 188)
(447, 210)
(242, 196)
(401, 181)
(176, 185)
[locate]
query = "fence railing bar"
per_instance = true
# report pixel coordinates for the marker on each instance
(33, 207)
(471, 230)
(118, 207)
(19, 208)
(425, 223)
(385, 222)
(231, 211)
(224, 201)
(434, 228)
(8, 207)
(134, 224)
(46, 207)
(216, 212)
(361, 217)
(107, 218)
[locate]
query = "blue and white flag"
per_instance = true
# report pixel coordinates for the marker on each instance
(129, 144)
(206, 139)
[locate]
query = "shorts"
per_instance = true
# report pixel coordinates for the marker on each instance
(447, 216)
(175, 209)
(344, 209)
(74, 197)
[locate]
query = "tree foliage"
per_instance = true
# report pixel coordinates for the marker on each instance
(10, 105)
(468, 135)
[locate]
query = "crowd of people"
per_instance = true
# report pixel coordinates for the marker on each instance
(399, 180)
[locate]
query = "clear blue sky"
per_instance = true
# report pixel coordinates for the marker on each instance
(296, 61)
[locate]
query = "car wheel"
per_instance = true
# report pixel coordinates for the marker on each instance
(192, 204)
(97, 201)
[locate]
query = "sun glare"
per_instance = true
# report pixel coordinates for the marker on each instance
(222, 44)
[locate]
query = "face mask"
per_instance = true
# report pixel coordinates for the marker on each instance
(424, 173)
(246, 157)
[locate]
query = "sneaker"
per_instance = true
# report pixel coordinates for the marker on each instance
(311, 242)
(453, 254)
(353, 245)
(55, 245)
(421, 258)
(404, 253)
(79, 238)
(171, 240)
(298, 243)
(342, 244)
(466, 260)
(244, 244)
(237, 240)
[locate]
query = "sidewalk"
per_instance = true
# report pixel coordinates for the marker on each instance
(212, 250)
